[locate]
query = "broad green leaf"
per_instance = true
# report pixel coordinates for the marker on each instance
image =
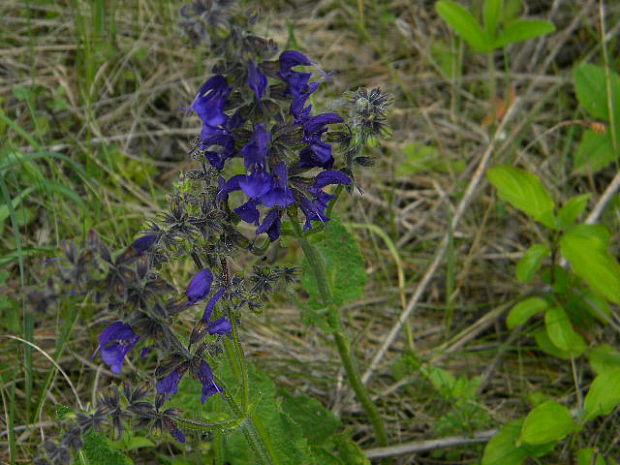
(591, 90)
(490, 15)
(604, 358)
(548, 422)
(343, 263)
(595, 305)
(522, 29)
(464, 23)
(525, 310)
(586, 457)
(585, 247)
(502, 448)
(545, 344)
(561, 332)
(604, 394)
(594, 152)
(571, 210)
(524, 191)
(529, 264)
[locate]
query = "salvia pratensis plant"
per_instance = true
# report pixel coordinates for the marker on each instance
(290, 164)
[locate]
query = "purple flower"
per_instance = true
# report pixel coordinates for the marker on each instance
(272, 224)
(317, 154)
(280, 194)
(142, 244)
(205, 376)
(255, 151)
(256, 80)
(221, 326)
(169, 385)
(297, 83)
(248, 211)
(114, 342)
(199, 287)
(256, 184)
(178, 434)
(210, 102)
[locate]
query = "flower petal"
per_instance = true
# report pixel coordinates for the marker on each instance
(206, 316)
(199, 287)
(271, 224)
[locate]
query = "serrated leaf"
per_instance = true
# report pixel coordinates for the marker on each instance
(604, 358)
(604, 394)
(548, 422)
(343, 263)
(521, 29)
(465, 25)
(585, 247)
(591, 89)
(594, 152)
(529, 264)
(524, 191)
(571, 210)
(490, 15)
(561, 332)
(525, 310)
(97, 451)
(316, 422)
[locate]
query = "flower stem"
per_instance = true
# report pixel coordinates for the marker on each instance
(344, 347)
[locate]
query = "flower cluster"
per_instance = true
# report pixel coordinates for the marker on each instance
(286, 161)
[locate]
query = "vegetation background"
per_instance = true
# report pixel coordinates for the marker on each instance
(94, 130)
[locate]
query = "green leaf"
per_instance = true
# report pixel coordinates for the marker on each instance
(586, 457)
(585, 247)
(138, 442)
(97, 451)
(490, 15)
(604, 394)
(591, 89)
(594, 152)
(316, 422)
(524, 191)
(548, 422)
(525, 310)
(595, 305)
(604, 358)
(502, 448)
(545, 344)
(464, 23)
(343, 261)
(561, 332)
(520, 29)
(529, 264)
(571, 210)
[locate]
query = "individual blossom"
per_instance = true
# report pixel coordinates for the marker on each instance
(114, 343)
(199, 287)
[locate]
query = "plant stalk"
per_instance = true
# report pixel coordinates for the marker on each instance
(344, 348)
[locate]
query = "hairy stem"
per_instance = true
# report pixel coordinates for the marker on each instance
(342, 343)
